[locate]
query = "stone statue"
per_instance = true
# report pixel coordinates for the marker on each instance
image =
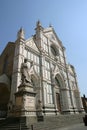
(25, 75)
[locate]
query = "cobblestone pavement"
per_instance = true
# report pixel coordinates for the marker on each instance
(74, 127)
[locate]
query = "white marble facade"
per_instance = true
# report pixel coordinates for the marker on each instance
(53, 79)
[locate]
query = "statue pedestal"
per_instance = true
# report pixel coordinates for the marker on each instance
(25, 101)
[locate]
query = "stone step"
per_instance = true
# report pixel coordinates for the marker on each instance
(14, 127)
(6, 128)
(49, 123)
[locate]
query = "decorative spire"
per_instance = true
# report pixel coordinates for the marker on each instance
(20, 33)
(38, 26)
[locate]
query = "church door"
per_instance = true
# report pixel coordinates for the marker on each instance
(58, 102)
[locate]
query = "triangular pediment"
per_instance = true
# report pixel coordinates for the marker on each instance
(31, 44)
(51, 34)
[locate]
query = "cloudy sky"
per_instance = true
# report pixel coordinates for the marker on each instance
(68, 17)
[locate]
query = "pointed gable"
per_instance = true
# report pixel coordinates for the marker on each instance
(31, 44)
(50, 33)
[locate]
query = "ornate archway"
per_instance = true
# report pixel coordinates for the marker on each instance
(59, 86)
(59, 80)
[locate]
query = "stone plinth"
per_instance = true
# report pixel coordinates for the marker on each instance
(25, 101)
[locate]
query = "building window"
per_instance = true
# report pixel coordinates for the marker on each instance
(47, 70)
(35, 58)
(54, 50)
(31, 56)
(49, 94)
(45, 46)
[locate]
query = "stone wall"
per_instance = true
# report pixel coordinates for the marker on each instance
(6, 59)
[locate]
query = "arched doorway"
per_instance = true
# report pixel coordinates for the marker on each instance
(59, 84)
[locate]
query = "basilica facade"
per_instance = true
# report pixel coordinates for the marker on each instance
(53, 81)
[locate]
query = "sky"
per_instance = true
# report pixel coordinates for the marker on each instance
(68, 18)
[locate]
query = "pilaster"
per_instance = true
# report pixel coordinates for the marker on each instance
(18, 60)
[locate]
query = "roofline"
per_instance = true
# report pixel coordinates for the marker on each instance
(8, 44)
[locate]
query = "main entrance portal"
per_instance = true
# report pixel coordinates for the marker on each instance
(59, 85)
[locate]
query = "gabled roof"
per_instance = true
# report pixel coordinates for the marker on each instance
(8, 46)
